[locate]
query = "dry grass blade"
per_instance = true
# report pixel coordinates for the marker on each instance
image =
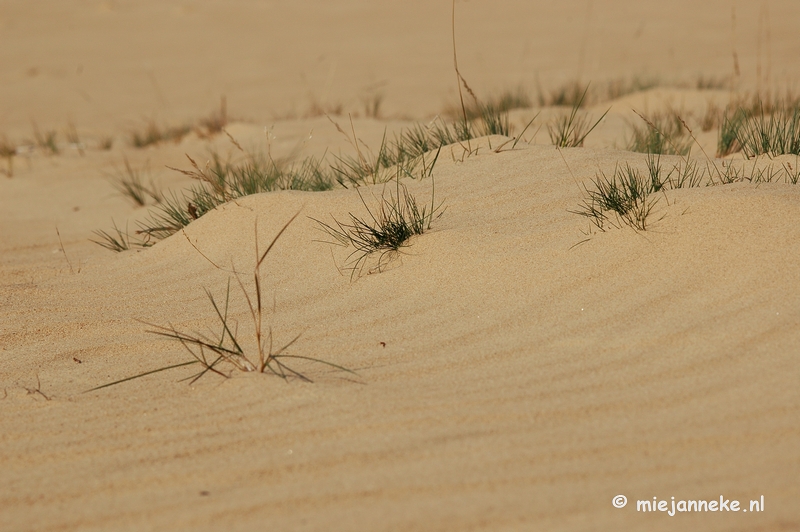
(225, 347)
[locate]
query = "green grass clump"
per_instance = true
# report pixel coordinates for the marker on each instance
(500, 104)
(385, 229)
(732, 122)
(567, 95)
(571, 130)
(117, 240)
(130, 183)
(45, 140)
(663, 133)
(221, 181)
(410, 153)
(7, 151)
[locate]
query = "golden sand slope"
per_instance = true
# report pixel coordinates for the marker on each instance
(523, 380)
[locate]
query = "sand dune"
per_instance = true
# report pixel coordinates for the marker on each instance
(515, 368)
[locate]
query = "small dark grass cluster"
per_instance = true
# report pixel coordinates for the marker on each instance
(74, 140)
(45, 140)
(569, 93)
(8, 150)
(761, 125)
(772, 134)
(501, 103)
(129, 182)
(215, 122)
(385, 229)
(410, 153)
(154, 134)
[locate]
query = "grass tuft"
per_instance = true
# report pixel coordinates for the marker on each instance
(7, 151)
(215, 122)
(116, 241)
(155, 134)
(627, 194)
(130, 183)
(385, 229)
(213, 353)
(772, 134)
(223, 180)
(45, 140)
(570, 131)
(404, 155)
(662, 133)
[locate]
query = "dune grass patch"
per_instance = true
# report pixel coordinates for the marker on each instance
(385, 229)
(762, 133)
(505, 101)
(227, 350)
(8, 150)
(626, 197)
(223, 180)
(152, 134)
(661, 133)
(46, 140)
(130, 182)
(116, 239)
(570, 130)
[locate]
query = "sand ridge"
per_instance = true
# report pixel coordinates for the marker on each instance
(515, 368)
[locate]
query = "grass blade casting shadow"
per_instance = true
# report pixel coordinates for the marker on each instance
(214, 353)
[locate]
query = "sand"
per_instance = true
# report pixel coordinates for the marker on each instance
(515, 369)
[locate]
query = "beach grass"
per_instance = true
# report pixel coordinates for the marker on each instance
(116, 240)
(129, 182)
(662, 133)
(45, 140)
(224, 352)
(8, 150)
(152, 134)
(570, 130)
(626, 197)
(385, 229)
